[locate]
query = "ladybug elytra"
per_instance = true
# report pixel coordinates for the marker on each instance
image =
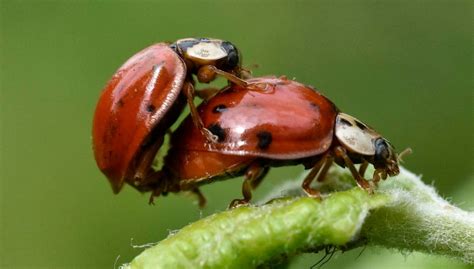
(282, 122)
(145, 97)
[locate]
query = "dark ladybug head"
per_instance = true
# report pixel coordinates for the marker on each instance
(385, 157)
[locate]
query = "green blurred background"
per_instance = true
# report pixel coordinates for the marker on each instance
(404, 67)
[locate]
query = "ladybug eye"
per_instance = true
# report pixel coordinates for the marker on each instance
(382, 150)
(232, 59)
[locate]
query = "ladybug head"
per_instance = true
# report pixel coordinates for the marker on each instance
(361, 140)
(385, 157)
(198, 52)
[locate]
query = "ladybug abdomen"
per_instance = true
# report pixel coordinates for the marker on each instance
(201, 167)
(274, 118)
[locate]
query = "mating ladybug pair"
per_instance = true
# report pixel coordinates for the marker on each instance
(244, 129)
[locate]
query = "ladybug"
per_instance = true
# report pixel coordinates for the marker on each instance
(145, 97)
(282, 123)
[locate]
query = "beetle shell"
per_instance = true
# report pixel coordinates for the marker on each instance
(278, 119)
(271, 122)
(134, 102)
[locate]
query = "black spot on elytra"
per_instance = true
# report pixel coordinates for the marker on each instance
(150, 108)
(264, 139)
(345, 122)
(217, 130)
(120, 103)
(314, 105)
(360, 125)
(219, 108)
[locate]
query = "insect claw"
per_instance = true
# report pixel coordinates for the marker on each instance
(151, 201)
(210, 136)
(237, 203)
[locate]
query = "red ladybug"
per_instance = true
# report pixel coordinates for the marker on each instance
(145, 97)
(283, 123)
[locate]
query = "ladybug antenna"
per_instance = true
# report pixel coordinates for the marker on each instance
(254, 66)
(403, 153)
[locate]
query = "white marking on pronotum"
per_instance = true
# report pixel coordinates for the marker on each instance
(355, 138)
(207, 51)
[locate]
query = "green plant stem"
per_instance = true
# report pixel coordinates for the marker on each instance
(417, 219)
(403, 214)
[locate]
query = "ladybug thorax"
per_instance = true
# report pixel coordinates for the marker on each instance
(354, 135)
(205, 51)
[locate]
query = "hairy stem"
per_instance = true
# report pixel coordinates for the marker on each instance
(403, 214)
(418, 219)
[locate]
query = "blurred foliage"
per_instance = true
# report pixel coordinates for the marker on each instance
(404, 67)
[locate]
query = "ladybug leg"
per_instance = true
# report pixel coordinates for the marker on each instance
(200, 196)
(156, 189)
(189, 92)
(379, 174)
(145, 160)
(247, 193)
(363, 168)
(253, 176)
(208, 73)
(207, 93)
(151, 200)
(160, 183)
(376, 177)
(306, 185)
(362, 182)
(256, 182)
(325, 169)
